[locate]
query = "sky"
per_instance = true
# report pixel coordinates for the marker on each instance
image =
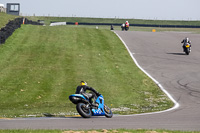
(132, 9)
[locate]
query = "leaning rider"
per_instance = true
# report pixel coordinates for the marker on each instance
(82, 90)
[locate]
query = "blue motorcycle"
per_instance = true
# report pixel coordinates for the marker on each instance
(86, 109)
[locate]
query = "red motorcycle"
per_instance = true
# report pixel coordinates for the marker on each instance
(126, 27)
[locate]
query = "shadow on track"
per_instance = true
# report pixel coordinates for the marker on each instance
(177, 53)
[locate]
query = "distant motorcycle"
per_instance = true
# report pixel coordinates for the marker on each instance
(126, 27)
(187, 48)
(86, 109)
(123, 27)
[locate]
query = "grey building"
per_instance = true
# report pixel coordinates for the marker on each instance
(13, 8)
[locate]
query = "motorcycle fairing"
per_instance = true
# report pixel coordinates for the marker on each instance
(76, 98)
(100, 110)
(78, 95)
(187, 45)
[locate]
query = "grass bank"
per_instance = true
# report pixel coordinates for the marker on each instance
(41, 66)
(4, 19)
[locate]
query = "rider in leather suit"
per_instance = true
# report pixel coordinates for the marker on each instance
(82, 90)
(186, 40)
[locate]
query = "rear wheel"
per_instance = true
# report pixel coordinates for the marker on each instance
(83, 110)
(108, 112)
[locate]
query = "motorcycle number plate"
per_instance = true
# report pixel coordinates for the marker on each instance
(187, 46)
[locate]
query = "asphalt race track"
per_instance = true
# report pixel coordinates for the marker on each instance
(160, 54)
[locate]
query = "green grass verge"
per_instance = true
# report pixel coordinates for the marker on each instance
(41, 66)
(4, 19)
(148, 29)
(96, 131)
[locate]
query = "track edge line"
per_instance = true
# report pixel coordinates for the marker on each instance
(176, 104)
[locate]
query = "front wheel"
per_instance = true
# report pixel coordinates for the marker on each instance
(187, 51)
(108, 112)
(83, 110)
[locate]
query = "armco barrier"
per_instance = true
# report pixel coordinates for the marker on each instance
(139, 25)
(80, 23)
(11, 26)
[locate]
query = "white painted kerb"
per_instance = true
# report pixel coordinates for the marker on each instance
(176, 104)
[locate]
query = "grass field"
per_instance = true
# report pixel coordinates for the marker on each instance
(4, 19)
(41, 66)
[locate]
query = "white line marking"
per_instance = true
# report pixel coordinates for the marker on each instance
(176, 104)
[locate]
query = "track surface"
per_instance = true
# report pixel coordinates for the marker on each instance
(160, 54)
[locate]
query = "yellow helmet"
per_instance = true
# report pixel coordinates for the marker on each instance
(83, 83)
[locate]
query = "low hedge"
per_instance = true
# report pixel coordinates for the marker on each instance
(11, 26)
